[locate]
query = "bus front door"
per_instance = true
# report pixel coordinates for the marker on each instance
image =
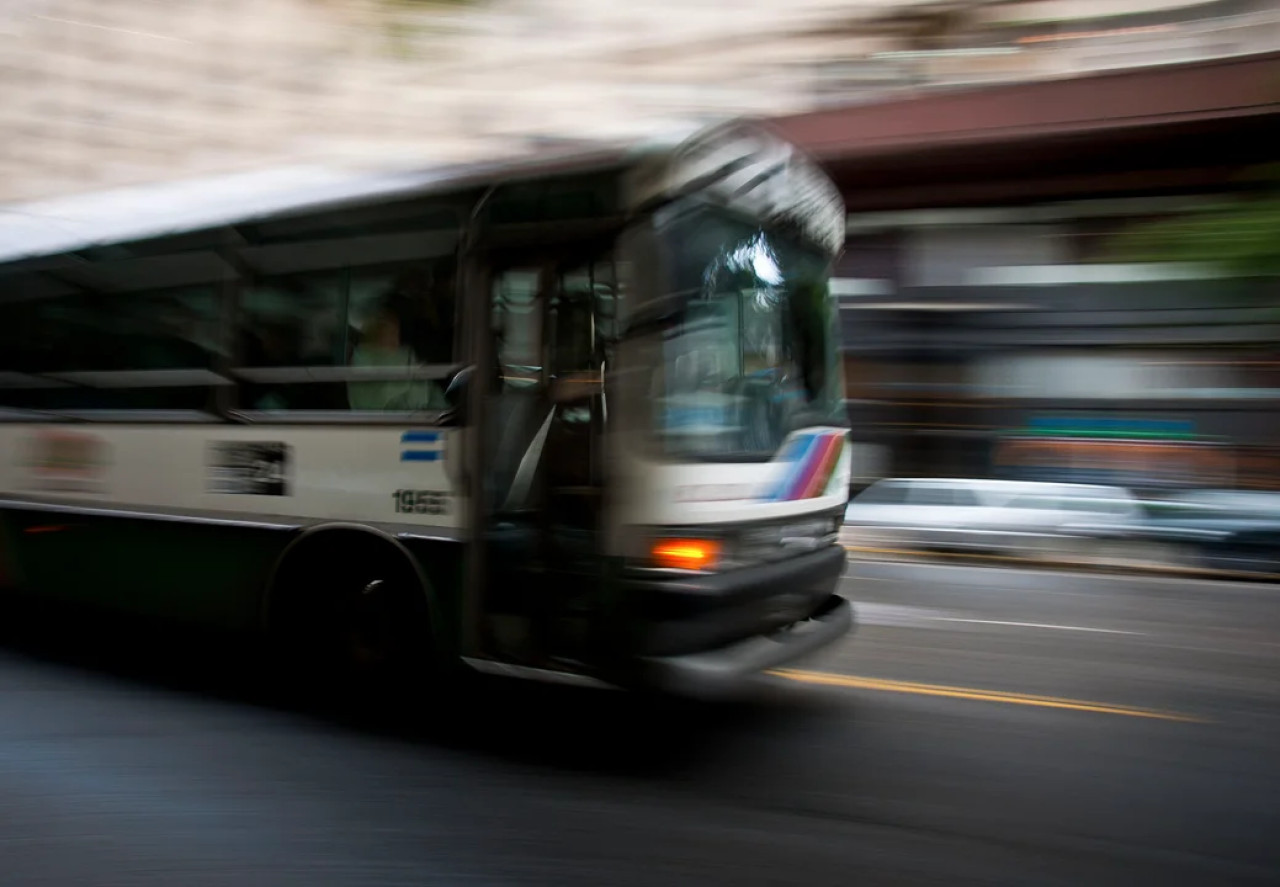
(540, 527)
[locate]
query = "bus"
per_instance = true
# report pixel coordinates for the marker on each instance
(576, 416)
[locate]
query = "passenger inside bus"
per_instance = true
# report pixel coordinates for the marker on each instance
(411, 325)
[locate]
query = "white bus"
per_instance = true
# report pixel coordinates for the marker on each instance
(577, 417)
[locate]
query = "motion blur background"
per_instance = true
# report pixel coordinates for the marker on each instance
(1062, 213)
(1061, 270)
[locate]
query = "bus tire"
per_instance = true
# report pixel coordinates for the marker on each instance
(349, 617)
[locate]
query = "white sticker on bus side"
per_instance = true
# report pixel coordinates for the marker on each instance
(335, 473)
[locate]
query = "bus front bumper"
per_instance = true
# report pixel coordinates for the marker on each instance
(726, 670)
(706, 635)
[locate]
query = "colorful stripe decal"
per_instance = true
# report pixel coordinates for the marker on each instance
(813, 457)
(800, 461)
(818, 472)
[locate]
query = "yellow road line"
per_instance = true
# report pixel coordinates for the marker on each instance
(908, 552)
(860, 683)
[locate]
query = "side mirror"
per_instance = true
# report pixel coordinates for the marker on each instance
(455, 397)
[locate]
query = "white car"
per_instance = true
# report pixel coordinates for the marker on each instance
(987, 515)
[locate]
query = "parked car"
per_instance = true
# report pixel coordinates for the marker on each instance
(981, 515)
(1236, 530)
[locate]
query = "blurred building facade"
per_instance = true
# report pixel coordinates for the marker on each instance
(94, 93)
(991, 328)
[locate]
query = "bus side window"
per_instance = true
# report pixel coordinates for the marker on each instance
(122, 325)
(291, 321)
(405, 319)
(370, 292)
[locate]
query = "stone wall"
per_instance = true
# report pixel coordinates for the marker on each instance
(104, 92)
(98, 93)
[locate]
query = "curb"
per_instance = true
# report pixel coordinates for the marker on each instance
(1081, 566)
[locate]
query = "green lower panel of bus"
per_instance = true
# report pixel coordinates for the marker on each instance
(204, 574)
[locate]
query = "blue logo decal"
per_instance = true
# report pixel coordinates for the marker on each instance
(421, 446)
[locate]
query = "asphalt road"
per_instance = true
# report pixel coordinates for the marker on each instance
(984, 726)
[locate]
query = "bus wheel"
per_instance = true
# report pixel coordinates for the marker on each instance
(351, 618)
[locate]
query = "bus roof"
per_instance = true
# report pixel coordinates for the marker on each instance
(141, 212)
(743, 159)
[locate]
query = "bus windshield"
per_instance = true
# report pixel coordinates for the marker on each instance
(741, 348)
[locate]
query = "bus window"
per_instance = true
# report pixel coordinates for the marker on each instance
(355, 321)
(519, 406)
(607, 291)
(741, 334)
(404, 321)
(517, 327)
(573, 345)
(112, 336)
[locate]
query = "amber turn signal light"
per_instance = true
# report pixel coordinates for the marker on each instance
(685, 554)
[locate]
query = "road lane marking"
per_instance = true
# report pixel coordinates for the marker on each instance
(860, 683)
(871, 613)
(896, 615)
(1046, 625)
